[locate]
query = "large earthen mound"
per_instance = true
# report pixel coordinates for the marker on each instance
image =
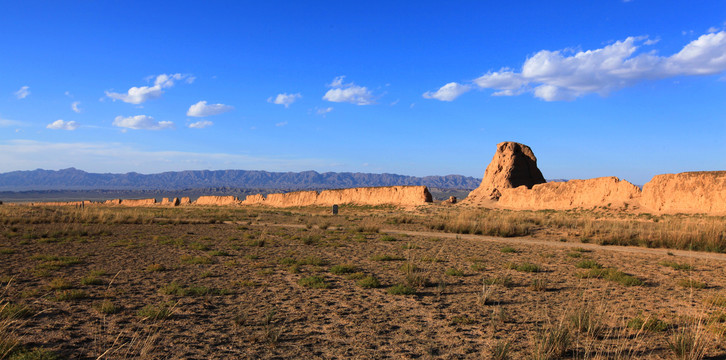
(599, 192)
(513, 165)
(689, 192)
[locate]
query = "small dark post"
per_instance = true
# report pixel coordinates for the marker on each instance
(335, 209)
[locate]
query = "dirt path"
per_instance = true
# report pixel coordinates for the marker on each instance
(555, 244)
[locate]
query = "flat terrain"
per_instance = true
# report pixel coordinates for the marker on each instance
(379, 282)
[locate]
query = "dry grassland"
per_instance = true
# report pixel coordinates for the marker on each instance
(116, 283)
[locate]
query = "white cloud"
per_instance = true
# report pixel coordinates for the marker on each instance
(8, 123)
(324, 111)
(280, 124)
(118, 157)
(201, 124)
(138, 95)
(141, 122)
(284, 99)
(74, 106)
(448, 92)
(201, 109)
(566, 75)
(712, 29)
(23, 92)
(63, 125)
(349, 93)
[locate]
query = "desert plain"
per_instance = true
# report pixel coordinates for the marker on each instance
(585, 269)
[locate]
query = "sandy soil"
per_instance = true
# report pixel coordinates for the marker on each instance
(255, 306)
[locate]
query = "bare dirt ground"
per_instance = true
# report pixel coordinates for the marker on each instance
(261, 283)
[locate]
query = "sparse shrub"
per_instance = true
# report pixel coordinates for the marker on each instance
(574, 254)
(368, 282)
(508, 250)
(461, 320)
(69, 295)
(33, 354)
(500, 350)
(524, 267)
(612, 275)
(313, 260)
(716, 300)
(401, 289)
(7, 251)
(106, 307)
(59, 284)
(505, 281)
(387, 238)
(551, 342)
(691, 283)
(342, 269)
(649, 324)
(199, 246)
(156, 267)
(315, 282)
(310, 240)
(539, 284)
(676, 266)
(218, 253)
(454, 272)
(14, 311)
(91, 280)
(586, 321)
(477, 266)
(197, 260)
(588, 264)
(387, 258)
(688, 342)
(156, 312)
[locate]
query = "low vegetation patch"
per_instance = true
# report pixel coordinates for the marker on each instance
(315, 282)
(612, 275)
(342, 269)
(387, 258)
(368, 282)
(401, 289)
(524, 267)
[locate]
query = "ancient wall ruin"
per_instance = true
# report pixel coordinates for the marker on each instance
(599, 192)
(216, 200)
(393, 195)
(688, 192)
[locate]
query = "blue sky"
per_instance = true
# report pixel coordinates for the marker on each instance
(598, 88)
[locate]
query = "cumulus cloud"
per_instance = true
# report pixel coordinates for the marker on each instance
(284, 99)
(138, 95)
(23, 92)
(350, 93)
(74, 106)
(201, 109)
(141, 122)
(448, 92)
(566, 74)
(201, 124)
(281, 124)
(63, 125)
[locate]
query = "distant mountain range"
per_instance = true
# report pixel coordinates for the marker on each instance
(74, 179)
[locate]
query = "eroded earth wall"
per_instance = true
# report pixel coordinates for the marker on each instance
(599, 192)
(688, 192)
(216, 200)
(394, 195)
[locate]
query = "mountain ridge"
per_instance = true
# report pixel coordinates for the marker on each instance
(75, 179)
